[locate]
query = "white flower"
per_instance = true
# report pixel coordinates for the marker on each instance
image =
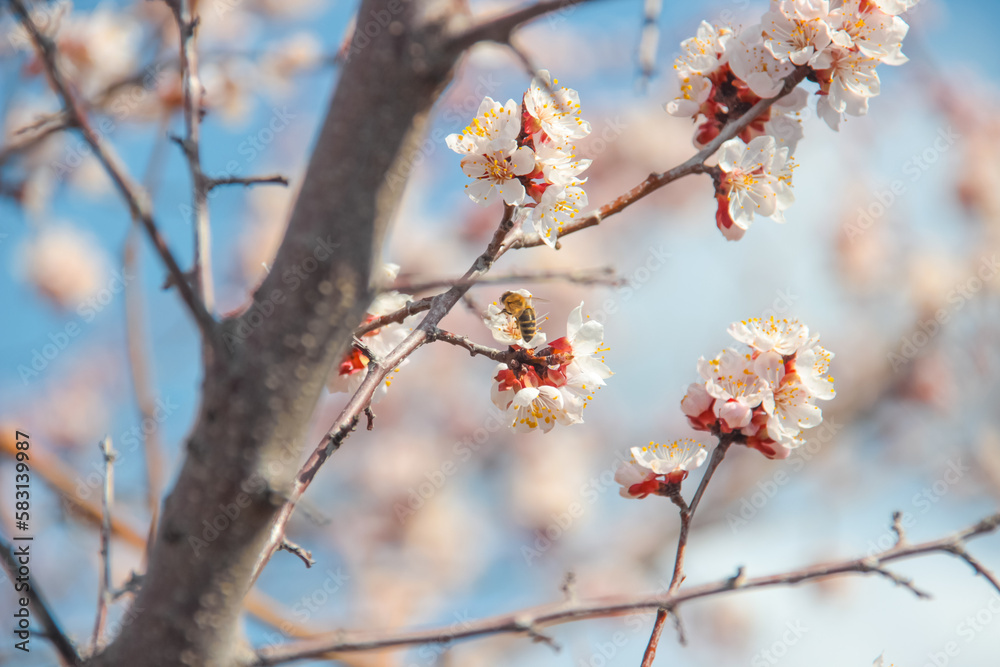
(585, 340)
(696, 400)
(853, 79)
(748, 169)
(754, 64)
(636, 480)
(677, 456)
(813, 366)
(530, 407)
(559, 206)
(558, 111)
(499, 170)
(788, 404)
(875, 34)
(781, 335)
(785, 123)
(695, 90)
(586, 372)
(705, 52)
(731, 380)
(894, 7)
(558, 164)
(782, 170)
(495, 128)
(798, 32)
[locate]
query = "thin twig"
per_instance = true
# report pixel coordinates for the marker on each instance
(960, 551)
(53, 631)
(654, 639)
(276, 179)
(104, 594)
(600, 276)
(135, 197)
(687, 514)
(568, 611)
(649, 40)
(30, 136)
(201, 271)
(142, 385)
(411, 308)
(65, 481)
(440, 306)
(304, 554)
(500, 28)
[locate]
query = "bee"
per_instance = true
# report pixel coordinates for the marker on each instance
(523, 312)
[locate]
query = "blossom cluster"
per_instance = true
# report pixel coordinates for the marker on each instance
(723, 72)
(556, 389)
(524, 155)
(348, 375)
(659, 469)
(766, 393)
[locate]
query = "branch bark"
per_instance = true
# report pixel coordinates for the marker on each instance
(526, 620)
(263, 382)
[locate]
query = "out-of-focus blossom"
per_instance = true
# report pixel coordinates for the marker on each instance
(348, 375)
(66, 265)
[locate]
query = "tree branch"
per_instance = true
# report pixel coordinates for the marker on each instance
(570, 611)
(276, 179)
(53, 631)
(687, 514)
(136, 199)
(499, 29)
(258, 398)
(600, 276)
(104, 594)
(139, 369)
(201, 271)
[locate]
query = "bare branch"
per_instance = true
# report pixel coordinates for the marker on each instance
(276, 179)
(569, 611)
(687, 514)
(136, 199)
(142, 385)
(599, 276)
(960, 551)
(201, 271)
(31, 135)
(293, 548)
(411, 308)
(500, 28)
(649, 40)
(104, 593)
(473, 348)
(423, 333)
(53, 631)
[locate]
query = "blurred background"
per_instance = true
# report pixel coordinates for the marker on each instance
(437, 516)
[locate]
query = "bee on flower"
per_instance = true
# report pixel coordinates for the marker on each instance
(557, 389)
